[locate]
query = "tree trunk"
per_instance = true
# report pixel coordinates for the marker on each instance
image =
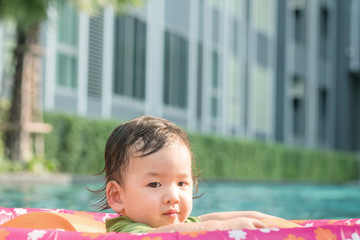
(23, 105)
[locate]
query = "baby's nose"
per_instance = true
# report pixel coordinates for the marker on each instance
(171, 195)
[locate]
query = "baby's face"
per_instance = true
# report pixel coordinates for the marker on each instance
(157, 188)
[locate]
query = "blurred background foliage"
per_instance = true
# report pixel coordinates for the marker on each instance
(76, 146)
(246, 160)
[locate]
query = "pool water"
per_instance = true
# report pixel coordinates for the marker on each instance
(290, 201)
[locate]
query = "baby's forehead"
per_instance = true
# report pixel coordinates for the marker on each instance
(138, 149)
(171, 155)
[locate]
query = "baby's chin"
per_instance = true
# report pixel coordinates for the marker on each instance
(165, 223)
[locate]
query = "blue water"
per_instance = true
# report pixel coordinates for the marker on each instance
(290, 201)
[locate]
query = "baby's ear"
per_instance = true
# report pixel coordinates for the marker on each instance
(114, 195)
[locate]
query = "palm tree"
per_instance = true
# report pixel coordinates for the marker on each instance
(24, 116)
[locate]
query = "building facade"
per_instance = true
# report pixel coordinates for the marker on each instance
(272, 70)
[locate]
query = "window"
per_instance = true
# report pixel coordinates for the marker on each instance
(130, 57)
(322, 114)
(298, 107)
(215, 71)
(199, 76)
(67, 34)
(66, 71)
(215, 25)
(175, 70)
(234, 40)
(201, 19)
(214, 84)
(323, 31)
(299, 11)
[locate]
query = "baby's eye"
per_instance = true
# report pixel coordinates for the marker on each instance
(182, 184)
(154, 185)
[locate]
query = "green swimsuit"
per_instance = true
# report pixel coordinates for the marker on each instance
(125, 224)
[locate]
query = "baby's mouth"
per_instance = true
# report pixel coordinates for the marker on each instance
(171, 213)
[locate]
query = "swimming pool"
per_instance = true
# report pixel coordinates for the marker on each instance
(290, 201)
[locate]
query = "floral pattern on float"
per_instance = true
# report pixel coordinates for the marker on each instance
(322, 229)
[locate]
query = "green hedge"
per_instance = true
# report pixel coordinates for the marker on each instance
(242, 160)
(76, 145)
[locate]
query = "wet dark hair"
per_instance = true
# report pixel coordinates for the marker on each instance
(145, 135)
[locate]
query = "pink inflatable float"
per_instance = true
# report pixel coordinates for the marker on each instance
(67, 224)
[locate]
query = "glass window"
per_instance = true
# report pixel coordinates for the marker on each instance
(130, 57)
(322, 114)
(215, 71)
(234, 40)
(298, 107)
(201, 19)
(214, 83)
(214, 108)
(67, 25)
(67, 50)
(199, 81)
(299, 12)
(323, 31)
(67, 76)
(175, 70)
(215, 25)
(120, 51)
(139, 60)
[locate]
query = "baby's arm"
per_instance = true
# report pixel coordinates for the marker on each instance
(265, 219)
(211, 225)
(228, 215)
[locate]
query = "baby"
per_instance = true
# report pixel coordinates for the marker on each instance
(151, 179)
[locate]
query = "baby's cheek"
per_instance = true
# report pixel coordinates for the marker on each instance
(188, 208)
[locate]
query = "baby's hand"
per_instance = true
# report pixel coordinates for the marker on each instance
(242, 223)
